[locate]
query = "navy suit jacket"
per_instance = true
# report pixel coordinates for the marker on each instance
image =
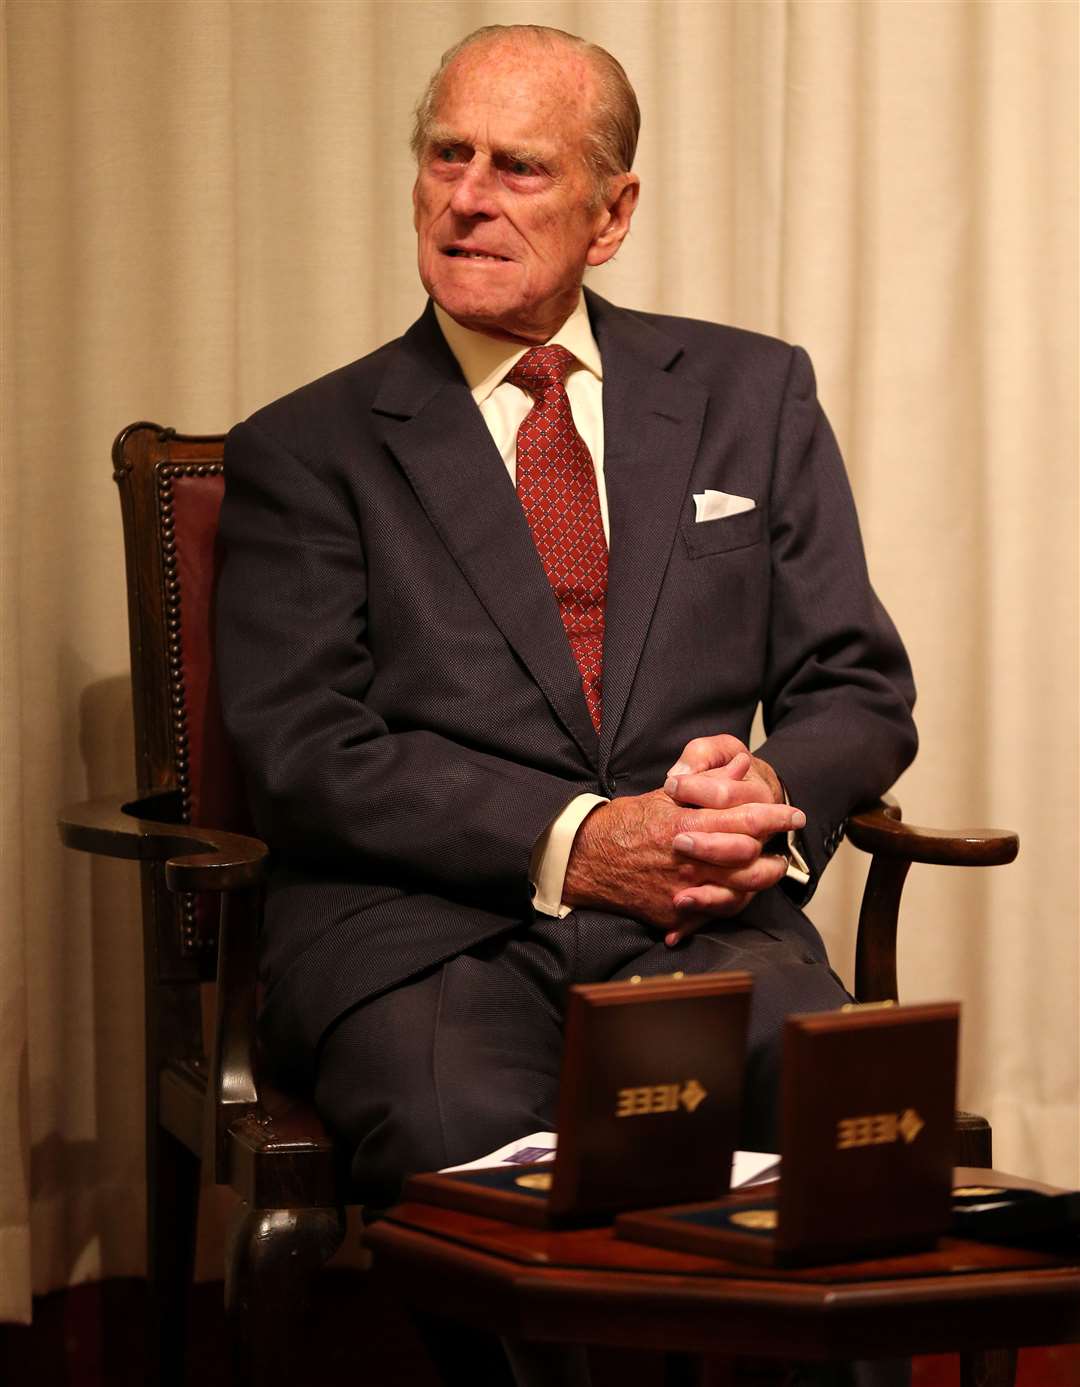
(399, 685)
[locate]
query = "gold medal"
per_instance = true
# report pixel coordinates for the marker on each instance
(754, 1218)
(535, 1180)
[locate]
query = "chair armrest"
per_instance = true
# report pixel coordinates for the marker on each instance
(882, 832)
(196, 858)
(895, 845)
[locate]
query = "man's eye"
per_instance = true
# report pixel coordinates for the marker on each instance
(447, 154)
(520, 167)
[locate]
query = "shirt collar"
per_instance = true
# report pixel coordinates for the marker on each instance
(485, 361)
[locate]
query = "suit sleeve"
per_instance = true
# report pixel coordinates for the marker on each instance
(838, 689)
(329, 781)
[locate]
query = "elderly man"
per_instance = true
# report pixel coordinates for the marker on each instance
(499, 603)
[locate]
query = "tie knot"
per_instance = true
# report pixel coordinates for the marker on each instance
(540, 368)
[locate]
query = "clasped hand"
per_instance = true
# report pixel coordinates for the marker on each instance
(677, 856)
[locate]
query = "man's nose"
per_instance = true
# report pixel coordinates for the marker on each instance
(474, 192)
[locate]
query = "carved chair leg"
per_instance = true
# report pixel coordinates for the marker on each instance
(994, 1367)
(172, 1219)
(271, 1260)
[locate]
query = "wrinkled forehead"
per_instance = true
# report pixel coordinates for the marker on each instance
(546, 91)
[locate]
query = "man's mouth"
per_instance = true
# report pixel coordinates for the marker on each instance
(459, 253)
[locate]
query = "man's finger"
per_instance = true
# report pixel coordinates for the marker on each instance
(720, 849)
(702, 837)
(717, 791)
(751, 879)
(707, 753)
(721, 902)
(759, 876)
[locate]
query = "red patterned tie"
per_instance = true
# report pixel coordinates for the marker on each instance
(556, 484)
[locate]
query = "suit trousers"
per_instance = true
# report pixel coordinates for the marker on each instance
(464, 1057)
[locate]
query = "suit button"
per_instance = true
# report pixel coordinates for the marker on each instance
(610, 784)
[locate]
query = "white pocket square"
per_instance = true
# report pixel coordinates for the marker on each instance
(715, 505)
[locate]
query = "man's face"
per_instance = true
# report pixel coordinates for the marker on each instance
(502, 202)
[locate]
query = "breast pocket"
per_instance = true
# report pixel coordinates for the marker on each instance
(717, 536)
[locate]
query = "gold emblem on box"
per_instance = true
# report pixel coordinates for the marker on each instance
(878, 1129)
(653, 1098)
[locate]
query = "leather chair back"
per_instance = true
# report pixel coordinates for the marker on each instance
(171, 489)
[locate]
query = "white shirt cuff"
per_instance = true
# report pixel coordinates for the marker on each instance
(797, 869)
(551, 855)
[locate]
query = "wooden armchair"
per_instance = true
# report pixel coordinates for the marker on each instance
(201, 878)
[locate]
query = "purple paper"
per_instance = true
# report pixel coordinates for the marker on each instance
(528, 1155)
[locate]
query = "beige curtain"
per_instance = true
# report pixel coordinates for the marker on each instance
(207, 203)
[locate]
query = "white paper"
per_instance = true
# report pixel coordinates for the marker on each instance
(752, 1167)
(510, 1154)
(747, 1167)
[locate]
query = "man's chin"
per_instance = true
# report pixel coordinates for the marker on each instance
(495, 318)
(501, 316)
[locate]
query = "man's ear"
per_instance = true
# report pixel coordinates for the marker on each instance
(618, 209)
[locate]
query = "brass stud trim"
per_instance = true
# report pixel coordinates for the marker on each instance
(191, 941)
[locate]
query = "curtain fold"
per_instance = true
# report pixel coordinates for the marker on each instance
(207, 203)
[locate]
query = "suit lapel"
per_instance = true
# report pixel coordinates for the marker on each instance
(431, 424)
(652, 431)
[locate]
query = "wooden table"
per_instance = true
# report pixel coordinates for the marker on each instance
(585, 1286)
